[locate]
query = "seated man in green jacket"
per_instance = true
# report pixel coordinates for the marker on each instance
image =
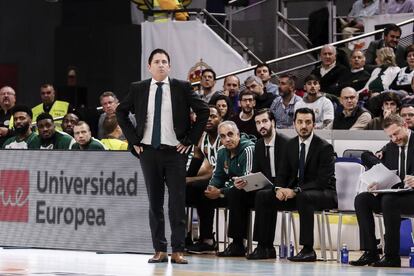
(84, 139)
(49, 137)
(233, 160)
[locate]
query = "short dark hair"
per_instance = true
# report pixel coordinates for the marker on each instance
(406, 105)
(246, 92)
(304, 110)
(44, 116)
(158, 51)
(312, 77)
(265, 111)
(391, 96)
(22, 108)
(262, 65)
(392, 27)
(108, 94)
(215, 107)
(392, 119)
(409, 49)
(291, 78)
(109, 124)
(209, 70)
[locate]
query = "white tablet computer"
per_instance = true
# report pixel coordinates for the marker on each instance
(255, 181)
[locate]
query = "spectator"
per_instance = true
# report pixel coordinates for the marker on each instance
(84, 139)
(358, 76)
(283, 107)
(24, 137)
(392, 34)
(360, 9)
(224, 106)
(264, 73)
(207, 82)
(7, 102)
(263, 99)
(329, 72)
(382, 77)
(407, 113)
(315, 100)
(400, 6)
(112, 134)
(68, 122)
(231, 88)
(49, 137)
(50, 105)
(351, 116)
(245, 119)
(390, 105)
(403, 80)
(109, 103)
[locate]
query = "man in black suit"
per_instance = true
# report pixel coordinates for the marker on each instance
(268, 155)
(161, 140)
(305, 181)
(396, 155)
(392, 34)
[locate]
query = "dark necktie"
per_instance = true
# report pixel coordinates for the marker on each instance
(402, 163)
(267, 154)
(156, 127)
(301, 163)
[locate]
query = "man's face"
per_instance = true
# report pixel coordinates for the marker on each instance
(349, 99)
(22, 122)
(263, 73)
(390, 105)
(328, 56)
(69, 121)
(207, 80)
(7, 98)
(213, 120)
(304, 125)
(255, 87)
(231, 85)
(229, 137)
(247, 104)
(285, 88)
(47, 95)
(82, 134)
(46, 128)
(407, 113)
(312, 87)
(222, 107)
(109, 104)
(392, 39)
(357, 60)
(159, 67)
(264, 125)
(397, 134)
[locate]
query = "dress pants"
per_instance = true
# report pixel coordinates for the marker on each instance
(165, 167)
(392, 207)
(205, 207)
(305, 202)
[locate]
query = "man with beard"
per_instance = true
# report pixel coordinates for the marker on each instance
(305, 181)
(234, 159)
(283, 107)
(315, 100)
(68, 122)
(263, 99)
(24, 137)
(396, 155)
(49, 137)
(198, 177)
(245, 119)
(268, 156)
(231, 88)
(7, 102)
(84, 139)
(407, 113)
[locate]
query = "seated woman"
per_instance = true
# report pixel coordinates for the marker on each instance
(223, 105)
(403, 80)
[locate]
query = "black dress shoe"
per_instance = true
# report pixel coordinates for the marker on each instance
(261, 253)
(387, 261)
(366, 259)
(305, 255)
(233, 250)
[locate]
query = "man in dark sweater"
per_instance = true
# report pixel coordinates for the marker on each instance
(358, 76)
(245, 119)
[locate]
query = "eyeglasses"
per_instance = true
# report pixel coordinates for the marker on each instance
(7, 94)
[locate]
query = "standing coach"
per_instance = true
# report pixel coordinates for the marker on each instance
(161, 140)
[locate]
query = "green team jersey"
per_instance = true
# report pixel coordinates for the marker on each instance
(93, 144)
(60, 140)
(15, 143)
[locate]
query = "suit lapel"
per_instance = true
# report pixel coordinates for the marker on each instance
(410, 154)
(311, 149)
(173, 91)
(143, 95)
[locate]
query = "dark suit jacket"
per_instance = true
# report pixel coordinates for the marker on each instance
(371, 53)
(391, 155)
(319, 166)
(259, 159)
(331, 81)
(182, 97)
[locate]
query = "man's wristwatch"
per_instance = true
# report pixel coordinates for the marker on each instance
(297, 190)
